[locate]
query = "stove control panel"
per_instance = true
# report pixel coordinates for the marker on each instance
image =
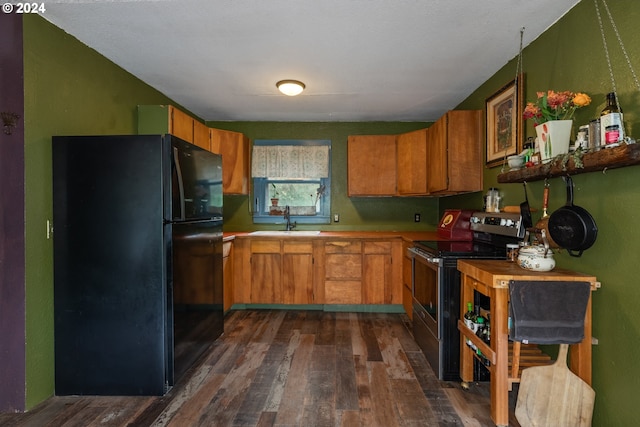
(501, 223)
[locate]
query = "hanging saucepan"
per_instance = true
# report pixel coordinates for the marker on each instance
(572, 227)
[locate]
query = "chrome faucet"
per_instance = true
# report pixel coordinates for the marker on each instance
(287, 217)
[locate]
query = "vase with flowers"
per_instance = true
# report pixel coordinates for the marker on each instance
(552, 114)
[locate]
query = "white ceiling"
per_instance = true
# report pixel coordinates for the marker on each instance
(361, 60)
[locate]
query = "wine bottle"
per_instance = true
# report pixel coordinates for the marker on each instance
(476, 317)
(487, 333)
(469, 321)
(611, 125)
(481, 330)
(468, 316)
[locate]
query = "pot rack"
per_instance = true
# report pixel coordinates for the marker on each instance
(583, 162)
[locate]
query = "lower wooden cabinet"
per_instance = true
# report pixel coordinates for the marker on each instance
(363, 271)
(297, 272)
(227, 274)
(274, 271)
(318, 271)
(407, 294)
(343, 272)
(376, 266)
(266, 272)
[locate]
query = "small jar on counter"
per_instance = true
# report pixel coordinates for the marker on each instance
(492, 200)
(512, 252)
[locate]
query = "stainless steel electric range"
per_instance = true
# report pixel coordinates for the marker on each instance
(436, 282)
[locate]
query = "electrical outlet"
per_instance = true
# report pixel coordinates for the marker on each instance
(416, 217)
(336, 218)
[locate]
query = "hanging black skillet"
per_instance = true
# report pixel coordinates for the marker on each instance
(571, 226)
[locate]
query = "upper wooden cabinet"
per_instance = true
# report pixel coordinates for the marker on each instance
(371, 165)
(412, 163)
(441, 160)
(201, 136)
(233, 146)
(180, 124)
(236, 164)
(454, 150)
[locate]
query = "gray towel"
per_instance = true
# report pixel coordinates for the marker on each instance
(546, 312)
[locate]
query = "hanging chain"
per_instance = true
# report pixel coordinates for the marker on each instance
(519, 63)
(624, 51)
(606, 50)
(514, 123)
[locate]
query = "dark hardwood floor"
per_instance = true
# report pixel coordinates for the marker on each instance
(291, 368)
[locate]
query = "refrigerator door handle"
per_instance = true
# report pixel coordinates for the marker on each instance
(176, 160)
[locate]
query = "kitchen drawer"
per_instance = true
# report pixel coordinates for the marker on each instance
(343, 266)
(265, 246)
(297, 247)
(343, 247)
(377, 247)
(342, 292)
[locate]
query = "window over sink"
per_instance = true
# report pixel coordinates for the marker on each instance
(294, 174)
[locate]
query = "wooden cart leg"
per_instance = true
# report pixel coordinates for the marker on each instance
(500, 345)
(466, 358)
(515, 362)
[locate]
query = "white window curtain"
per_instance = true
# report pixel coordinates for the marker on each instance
(290, 161)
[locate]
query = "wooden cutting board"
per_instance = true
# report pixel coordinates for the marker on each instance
(554, 396)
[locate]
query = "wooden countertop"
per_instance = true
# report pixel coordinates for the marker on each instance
(409, 236)
(498, 273)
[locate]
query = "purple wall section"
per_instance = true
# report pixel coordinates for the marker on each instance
(12, 228)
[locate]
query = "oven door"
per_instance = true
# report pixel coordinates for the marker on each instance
(427, 330)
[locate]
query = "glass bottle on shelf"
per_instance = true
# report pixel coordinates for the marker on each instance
(469, 321)
(611, 124)
(468, 316)
(482, 328)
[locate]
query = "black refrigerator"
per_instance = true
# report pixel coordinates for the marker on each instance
(137, 261)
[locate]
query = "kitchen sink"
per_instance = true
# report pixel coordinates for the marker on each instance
(300, 233)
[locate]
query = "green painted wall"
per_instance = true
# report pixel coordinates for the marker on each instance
(362, 213)
(569, 56)
(69, 89)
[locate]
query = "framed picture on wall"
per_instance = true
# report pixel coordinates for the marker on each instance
(504, 122)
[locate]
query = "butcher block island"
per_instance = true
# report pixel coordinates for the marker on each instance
(492, 278)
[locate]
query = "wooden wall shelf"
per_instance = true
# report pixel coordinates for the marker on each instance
(607, 158)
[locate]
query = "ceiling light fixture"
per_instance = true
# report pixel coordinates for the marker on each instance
(290, 87)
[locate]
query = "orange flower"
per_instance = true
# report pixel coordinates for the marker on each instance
(552, 105)
(581, 99)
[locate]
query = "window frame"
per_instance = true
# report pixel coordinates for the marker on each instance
(261, 189)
